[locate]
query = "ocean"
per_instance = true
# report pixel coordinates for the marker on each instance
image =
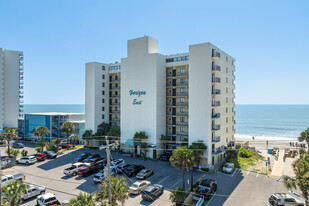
(261, 121)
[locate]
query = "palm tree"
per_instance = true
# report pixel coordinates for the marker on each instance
(9, 135)
(68, 128)
(82, 199)
(119, 190)
(178, 196)
(191, 162)
(42, 144)
(301, 170)
(140, 137)
(179, 160)
(41, 131)
(304, 136)
(14, 191)
(198, 148)
(74, 138)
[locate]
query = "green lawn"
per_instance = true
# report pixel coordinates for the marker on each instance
(246, 163)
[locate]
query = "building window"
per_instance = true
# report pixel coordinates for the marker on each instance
(226, 100)
(226, 90)
(116, 108)
(182, 81)
(103, 67)
(103, 76)
(182, 71)
(116, 85)
(103, 84)
(227, 130)
(103, 100)
(226, 59)
(114, 67)
(182, 109)
(103, 109)
(103, 116)
(103, 92)
(116, 92)
(176, 59)
(227, 120)
(227, 80)
(116, 100)
(182, 90)
(182, 119)
(227, 70)
(116, 77)
(182, 100)
(227, 110)
(182, 129)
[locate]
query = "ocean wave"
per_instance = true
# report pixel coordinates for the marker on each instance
(262, 137)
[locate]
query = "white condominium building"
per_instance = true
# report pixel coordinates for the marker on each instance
(187, 97)
(11, 87)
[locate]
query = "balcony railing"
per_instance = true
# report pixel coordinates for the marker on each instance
(184, 104)
(21, 68)
(216, 91)
(21, 82)
(115, 80)
(215, 103)
(216, 139)
(178, 74)
(178, 133)
(21, 92)
(216, 68)
(218, 151)
(114, 95)
(180, 94)
(216, 80)
(216, 54)
(113, 103)
(114, 88)
(178, 84)
(21, 97)
(114, 111)
(21, 78)
(215, 115)
(177, 123)
(177, 113)
(216, 127)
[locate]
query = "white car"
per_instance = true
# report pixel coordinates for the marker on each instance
(138, 187)
(284, 199)
(228, 167)
(32, 191)
(144, 173)
(99, 177)
(26, 160)
(47, 200)
(117, 163)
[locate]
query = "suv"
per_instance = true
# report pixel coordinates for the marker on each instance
(210, 183)
(166, 156)
(47, 200)
(152, 192)
(284, 199)
(133, 170)
(26, 160)
(40, 156)
(32, 191)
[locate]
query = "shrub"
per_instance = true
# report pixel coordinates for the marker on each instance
(231, 154)
(24, 152)
(38, 149)
(15, 152)
(205, 169)
(243, 153)
(137, 156)
(149, 158)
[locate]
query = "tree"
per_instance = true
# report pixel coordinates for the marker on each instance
(68, 128)
(88, 133)
(301, 180)
(192, 160)
(119, 190)
(165, 139)
(103, 129)
(24, 153)
(178, 195)
(304, 136)
(41, 131)
(179, 160)
(14, 191)
(9, 135)
(144, 148)
(82, 199)
(114, 131)
(56, 141)
(42, 144)
(198, 148)
(74, 138)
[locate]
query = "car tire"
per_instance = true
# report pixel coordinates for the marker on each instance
(21, 201)
(74, 173)
(27, 163)
(42, 192)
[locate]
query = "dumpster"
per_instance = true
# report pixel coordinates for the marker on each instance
(270, 150)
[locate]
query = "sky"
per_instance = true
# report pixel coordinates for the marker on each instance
(268, 38)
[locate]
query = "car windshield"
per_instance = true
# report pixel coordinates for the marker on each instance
(50, 199)
(142, 172)
(98, 176)
(80, 156)
(228, 165)
(134, 186)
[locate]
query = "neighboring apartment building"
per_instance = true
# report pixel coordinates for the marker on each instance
(11, 87)
(53, 121)
(187, 97)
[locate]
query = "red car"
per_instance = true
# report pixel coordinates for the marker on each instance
(40, 156)
(86, 171)
(64, 145)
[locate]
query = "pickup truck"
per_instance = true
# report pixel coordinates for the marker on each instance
(194, 200)
(32, 191)
(74, 168)
(47, 200)
(6, 179)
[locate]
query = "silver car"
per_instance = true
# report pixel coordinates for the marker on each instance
(32, 191)
(26, 160)
(144, 173)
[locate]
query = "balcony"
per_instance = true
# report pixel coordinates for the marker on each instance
(21, 97)
(114, 88)
(215, 103)
(21, 73)
(216, 80)
(114, 112)
(178, 104)
(21, 87)
(21, 101)
(114, 120)
(178, 133)
(177, 123)
(177, 84)
(114, 80)
(21, 111)
(215, 115)
(216, 139)
(113, 103)
(216, 68)
(178, 94)
(218, 151)
(177, 113)
(115, 96)
(21, 92)
(21, 82)
(21, 78)
(21, 69)
(216, 91)
(21, 64)
(215, 54)
(21, 106)
(177, 74)
(215, 127)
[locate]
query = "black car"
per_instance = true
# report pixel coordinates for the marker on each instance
(152, 192)
(166, 156)
(95, 160)
(205, 191)
(210, 183)
(81, 157)
(119, 170)
(102, 163)
(91, 157)
(132, 170)
(50, 154)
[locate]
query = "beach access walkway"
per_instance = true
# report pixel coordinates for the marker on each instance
(277, 169)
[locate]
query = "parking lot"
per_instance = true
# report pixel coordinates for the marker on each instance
(239, 188)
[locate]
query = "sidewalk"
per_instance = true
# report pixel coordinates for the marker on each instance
(277, 169)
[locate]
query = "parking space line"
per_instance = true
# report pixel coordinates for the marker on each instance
(163, 179)
(248, 173)
(211, 199)
(234, 172)
(257, 174)
(175, 184)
